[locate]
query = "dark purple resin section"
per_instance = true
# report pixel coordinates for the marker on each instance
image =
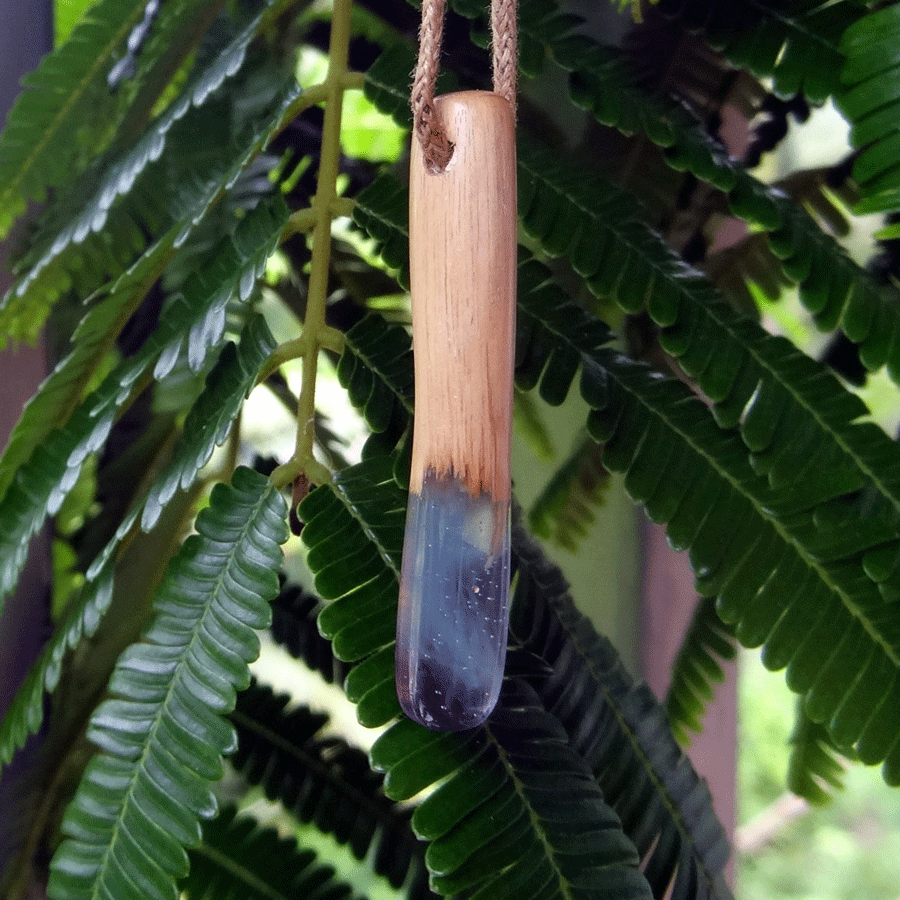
(454, 606)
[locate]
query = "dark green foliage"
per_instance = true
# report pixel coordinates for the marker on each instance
(563, 512)
(461, 856)
(697, 668)
(294, 613)
(161, 733)
(622, 732)
(67, 108)
(197, 318)
(174, 152)
(240, 860)
(324, 781)
(646, 815)
(799, 47)
(815, 767)
(640, 419)
(206, 427)
(870, 99)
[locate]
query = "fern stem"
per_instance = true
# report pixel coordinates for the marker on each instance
(328, 337)
(314, 328)
(306, 219)
(321, 93)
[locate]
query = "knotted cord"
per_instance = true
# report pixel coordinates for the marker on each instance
(426, 125)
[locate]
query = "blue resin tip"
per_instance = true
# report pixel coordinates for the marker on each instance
(454, 605)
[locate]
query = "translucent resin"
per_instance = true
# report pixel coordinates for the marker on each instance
(454, 605)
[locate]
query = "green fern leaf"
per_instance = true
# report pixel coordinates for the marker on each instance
(815, 765)
(375, 370)
(799, 560)
(800, 567)
(229, 271)
(381, 210)
(798, 47)
(556, 834)
(832, 286)
(457, 817)
(65, 90)
(25, 713)
(115, 175)
(758, 381)
(227, 385)
(294, 614)
(53, 468)
(162, 733)
(697, 666)
(622, 732)
(564, 510)
(203, 156)
(801, 601)
(240, 860)
(870, 99)
(209, 420)
(325, 781)
(69, 94)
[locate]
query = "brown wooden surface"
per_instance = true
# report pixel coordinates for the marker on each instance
(463, 283)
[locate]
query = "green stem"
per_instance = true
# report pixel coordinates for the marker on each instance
(315, 334)
(320, 93)
(306, 219)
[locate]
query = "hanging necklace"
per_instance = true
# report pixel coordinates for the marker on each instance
(454, 591)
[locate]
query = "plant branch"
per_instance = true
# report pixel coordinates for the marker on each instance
(315, 332)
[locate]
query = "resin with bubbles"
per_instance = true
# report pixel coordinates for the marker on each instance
(453, 605)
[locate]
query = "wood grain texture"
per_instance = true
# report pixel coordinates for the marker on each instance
(463, 282)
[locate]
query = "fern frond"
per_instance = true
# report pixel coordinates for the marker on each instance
(371, 684)
(53, 468)
(325, 781)
(619, 728)
(555, 836)
(522, 753)
(381, 210)
(375, 370)
(67, 94)
(815, 764)
(204, 154)
(870, 100)
(806, 591)
(228, 271)
(831, 285)
(746, 265)
(294, 614)
(801, 559)
(162, 733)
(564, 511)
(798, 47)
(228, 383)
(238, 859)
(759, 381)
(708, 640)
(789, 576)
(90, 201)
(25, 713)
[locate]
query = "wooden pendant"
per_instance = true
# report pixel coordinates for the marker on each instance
(454, 609)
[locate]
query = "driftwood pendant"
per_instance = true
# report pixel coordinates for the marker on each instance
(454, 606)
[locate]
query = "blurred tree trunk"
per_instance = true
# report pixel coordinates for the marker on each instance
(26, 34)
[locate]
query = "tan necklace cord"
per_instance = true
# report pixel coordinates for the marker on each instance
(427, 126)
